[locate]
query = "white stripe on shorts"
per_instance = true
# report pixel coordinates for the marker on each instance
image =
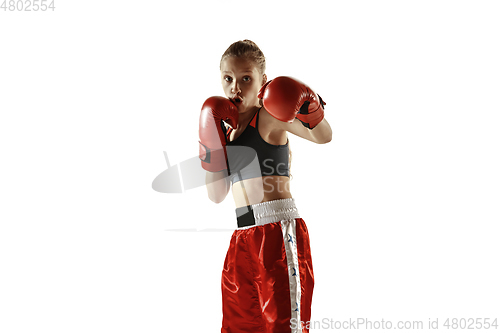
(290, 241)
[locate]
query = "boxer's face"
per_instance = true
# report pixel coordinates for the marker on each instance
(241, 81)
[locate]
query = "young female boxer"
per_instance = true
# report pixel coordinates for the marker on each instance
(267, 280)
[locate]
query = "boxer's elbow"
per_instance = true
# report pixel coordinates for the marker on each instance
(322, 138)
(326, 139)
(216, 197)
(322, 133)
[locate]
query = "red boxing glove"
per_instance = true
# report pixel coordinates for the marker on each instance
(212, 132)
(286, 98)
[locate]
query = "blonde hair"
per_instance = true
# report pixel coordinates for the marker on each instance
(248, 50)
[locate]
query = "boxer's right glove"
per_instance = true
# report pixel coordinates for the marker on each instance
(215, 111)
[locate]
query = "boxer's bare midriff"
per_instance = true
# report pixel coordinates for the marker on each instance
(262, 189)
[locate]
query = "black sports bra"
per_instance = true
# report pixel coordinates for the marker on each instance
(249, 156)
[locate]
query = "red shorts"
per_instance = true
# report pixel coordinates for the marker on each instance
(267, 280)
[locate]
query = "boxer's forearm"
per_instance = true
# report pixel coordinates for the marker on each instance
(217, 185)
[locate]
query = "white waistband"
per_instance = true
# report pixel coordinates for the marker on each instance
(274, 211)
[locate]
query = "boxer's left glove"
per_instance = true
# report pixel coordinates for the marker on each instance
(215, 111)
(286, 98)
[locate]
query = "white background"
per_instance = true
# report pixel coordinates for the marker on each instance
(402, 206)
